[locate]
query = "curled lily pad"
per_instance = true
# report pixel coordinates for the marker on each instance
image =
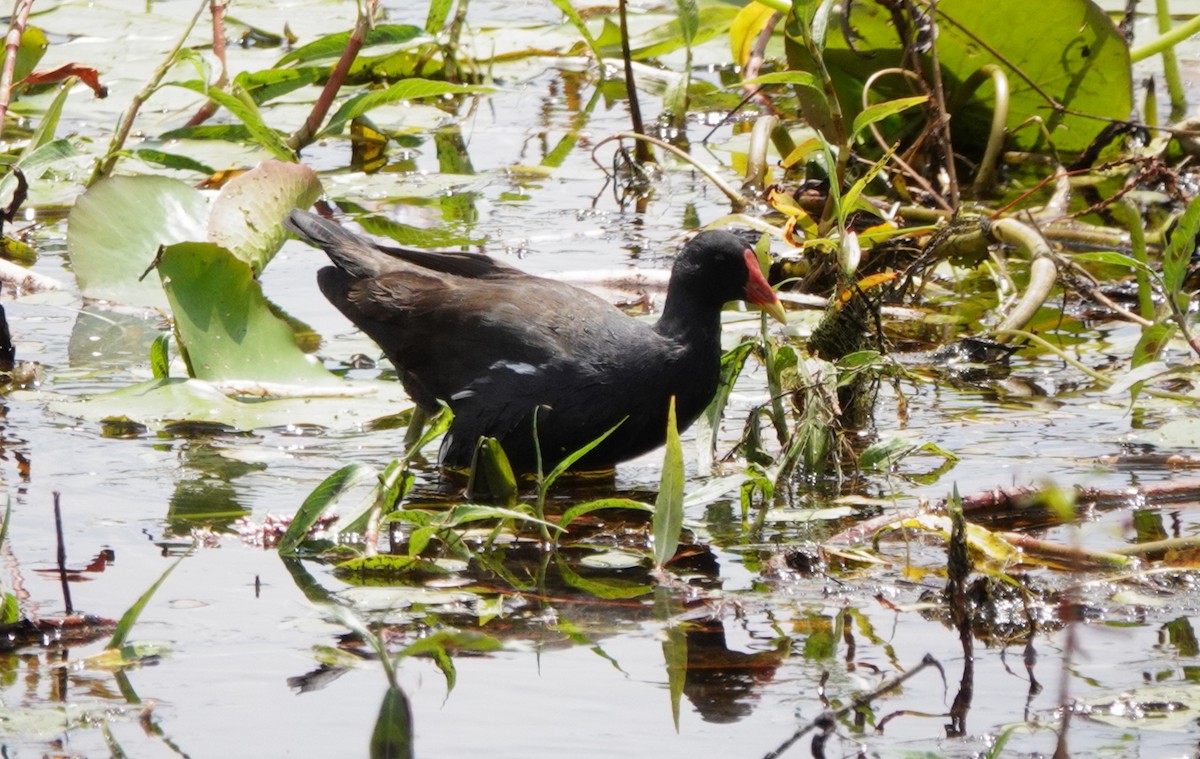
(247, 217)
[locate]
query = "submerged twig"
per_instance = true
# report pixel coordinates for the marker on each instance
(62, 556)
(826, 720)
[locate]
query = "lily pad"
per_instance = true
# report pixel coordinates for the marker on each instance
(225, 326)
(118, 225)
(1080, 61)
(162, 403)
(247, 217)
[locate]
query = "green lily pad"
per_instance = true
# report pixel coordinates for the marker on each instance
(162, 403)
(116, 228)
(225, 326)
(247, 217)
(1080, 60)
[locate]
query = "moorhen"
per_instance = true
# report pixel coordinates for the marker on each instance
(495, 343)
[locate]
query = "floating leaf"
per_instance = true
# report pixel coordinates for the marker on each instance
(118, 225)
(163, 403)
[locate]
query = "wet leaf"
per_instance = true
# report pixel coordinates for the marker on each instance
(117, 227)
(247, 217)
(162, 403)
(321, 499)
(226, 330)
(876, 113)
(29, 53)
(581, 509)
(392, 736)
(160, 363)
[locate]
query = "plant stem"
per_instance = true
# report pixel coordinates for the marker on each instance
(105, 165)
(1168, 40)
(306, 133)
(641, 151)
(12, 44)
(1171, 65)
(217, 11)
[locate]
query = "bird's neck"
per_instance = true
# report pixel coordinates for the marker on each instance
(691, 324)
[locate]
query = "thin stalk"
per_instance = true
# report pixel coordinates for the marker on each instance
(105, 165)
(12, 43)
(1171, 65)
(305, 134)
(1166, 41)
(735, 197)
(206, 111)
(641, 150)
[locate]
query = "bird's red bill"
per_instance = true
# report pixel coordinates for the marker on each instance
(759, 292)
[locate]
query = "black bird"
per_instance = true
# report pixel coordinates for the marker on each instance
(495, 343)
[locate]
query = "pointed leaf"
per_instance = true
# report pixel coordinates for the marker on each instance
(668, 507)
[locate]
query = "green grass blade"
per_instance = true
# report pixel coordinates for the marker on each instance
(320, 499)
(130, 617)
(667, 523)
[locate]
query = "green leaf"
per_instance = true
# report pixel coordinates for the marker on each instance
(117, 227)
(247, 217)
(392, 736)
(318, 501)
(227, 332)
(160, 363)
(881, 111)
(407, 89)
(1110, 258)
(711, 22)
(566, 463)
(44, 133)
(667, 523)
(29, 53)
(581, 509)
(439, 11)
(10, 610)
(1178, 253)
(1149, 346)
(573, 16)
(331, 46)
(1080, 60)
(162, 403)
(796, 78)
(129, 618)
(33, 163)
(269, 84)
(239, 103)
(173, 161)
(605, 588)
